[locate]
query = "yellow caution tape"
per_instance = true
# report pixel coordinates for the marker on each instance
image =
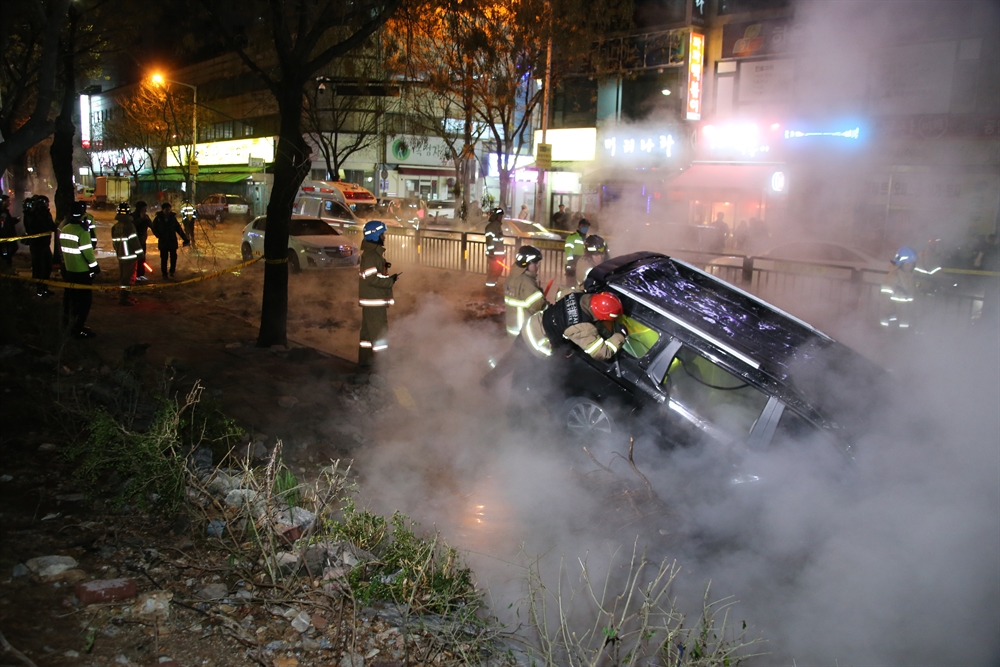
(134, 288)
(971, 272)
(11, 239)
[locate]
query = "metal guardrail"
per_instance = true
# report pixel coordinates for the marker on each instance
(842, 289)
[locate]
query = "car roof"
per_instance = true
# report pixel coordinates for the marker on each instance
(804, 364)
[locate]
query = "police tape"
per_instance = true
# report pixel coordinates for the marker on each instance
(11, 239)
(135, 288)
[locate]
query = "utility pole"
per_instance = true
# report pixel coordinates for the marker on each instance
(541, 186)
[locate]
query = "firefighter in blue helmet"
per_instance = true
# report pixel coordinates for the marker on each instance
(899, 287)
(374, 293)
(79, 267)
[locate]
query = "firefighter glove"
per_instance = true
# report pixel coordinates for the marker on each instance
(394, 277)
(97, 269)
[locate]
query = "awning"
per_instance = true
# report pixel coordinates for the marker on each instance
(426, 171)
(745, 177)
(206, 174)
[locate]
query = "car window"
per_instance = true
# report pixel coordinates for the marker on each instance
(793, 430)
(236, 198)
(260, 224)
(310, 227)
(640, 337)
(336, 210)
(713, 393)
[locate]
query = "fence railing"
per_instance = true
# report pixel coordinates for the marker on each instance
(841, 289)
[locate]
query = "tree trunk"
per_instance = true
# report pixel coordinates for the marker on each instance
(291, 165)
(61, 150)
(19, 172)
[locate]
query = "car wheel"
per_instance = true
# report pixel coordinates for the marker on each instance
(247, 252)
(293, 262)
(587, 418)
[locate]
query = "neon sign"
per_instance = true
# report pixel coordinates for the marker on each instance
(743, 138)
(846, 134)
(662, 144)
(696, 63)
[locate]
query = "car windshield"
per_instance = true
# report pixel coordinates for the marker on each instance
(310, 227)
(365, 210)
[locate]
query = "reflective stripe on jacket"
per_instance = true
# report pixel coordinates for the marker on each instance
(374, 284)
(77, 248)
(522, 297)
(574, 314)
(494, 238)
(574, 247)
(125, 238)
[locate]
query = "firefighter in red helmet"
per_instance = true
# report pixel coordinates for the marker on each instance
(590, 321)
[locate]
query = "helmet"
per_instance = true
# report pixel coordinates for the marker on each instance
(498, 211)
(123, 207)
(78, 209)
(28, 205)
(905, 255)
(42, 199)
(374, 229)
(605, 306)
(595, 245)
(527, 254)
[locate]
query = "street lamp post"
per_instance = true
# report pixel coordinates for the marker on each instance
(192, 162)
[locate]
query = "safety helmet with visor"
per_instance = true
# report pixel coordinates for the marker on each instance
(905, 255)
(527, 254)
(605, 306)
(373, 231)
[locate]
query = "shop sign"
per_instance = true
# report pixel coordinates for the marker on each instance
(428, 151)
(760, 38)
(695, 75)
(543, 156)
(85, 121)
(237, 151)
(623, 146)
(766, 81)
(569, 144)
(736, 139)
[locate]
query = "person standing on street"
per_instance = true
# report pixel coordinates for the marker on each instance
(8, 229)
(522, 298)
(142, 226)
(574, 247)
(559, 218)
(38, 220)
(374, 293)
(495, 251)
(524, 213)
(595, 251)
(129, 252)
(166, 229)
(79, 265)
(901, 289)
(188, 216)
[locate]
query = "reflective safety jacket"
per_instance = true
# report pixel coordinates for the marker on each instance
(522, 297)
(570, 319)
(494, 238)
(125, 238)
(899, 285)
(77, 248)
(584, 266)
(374, 284)
(188, 212)
(574, 249)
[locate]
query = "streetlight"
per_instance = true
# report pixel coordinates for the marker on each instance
(159, 80)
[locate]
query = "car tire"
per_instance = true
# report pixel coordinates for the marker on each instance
(586, 418)
(247, 252)
(293, 262)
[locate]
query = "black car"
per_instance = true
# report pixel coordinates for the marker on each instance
(706, 362)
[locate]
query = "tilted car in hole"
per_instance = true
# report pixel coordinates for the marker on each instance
(706, 362)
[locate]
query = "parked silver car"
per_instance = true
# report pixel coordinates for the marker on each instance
(312, 244)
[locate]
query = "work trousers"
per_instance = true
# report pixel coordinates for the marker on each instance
(374, 333)
(41, 261)
(571, 270)
(516, 358)
(164, 254)
(494, 269)
(189, 229)
(76, 302)
(127, 278)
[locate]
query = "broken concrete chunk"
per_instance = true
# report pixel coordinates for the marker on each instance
(213, 592)
(105, 590)
(47, 566)
(154, 605)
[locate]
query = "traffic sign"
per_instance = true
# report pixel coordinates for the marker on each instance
(194, 168)
(543, 160)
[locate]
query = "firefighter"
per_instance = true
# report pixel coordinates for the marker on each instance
(188, 216)
(129, 252)
(38, 220)
(142, 226)
(575, 248)
(495, 251)
(900, 288)
(79, 267)
(587, 320)
(595, 251)
(374, 293)
(8, 229)
(522, 295)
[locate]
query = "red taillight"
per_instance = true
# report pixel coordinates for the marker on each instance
(356, 195)
(310, 189)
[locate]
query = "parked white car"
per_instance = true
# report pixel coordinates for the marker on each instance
(527, 229)
(312, 244)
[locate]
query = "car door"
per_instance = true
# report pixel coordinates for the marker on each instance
(706, 402)
(256, 235)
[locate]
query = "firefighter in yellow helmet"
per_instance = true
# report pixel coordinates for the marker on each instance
(522, 295)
